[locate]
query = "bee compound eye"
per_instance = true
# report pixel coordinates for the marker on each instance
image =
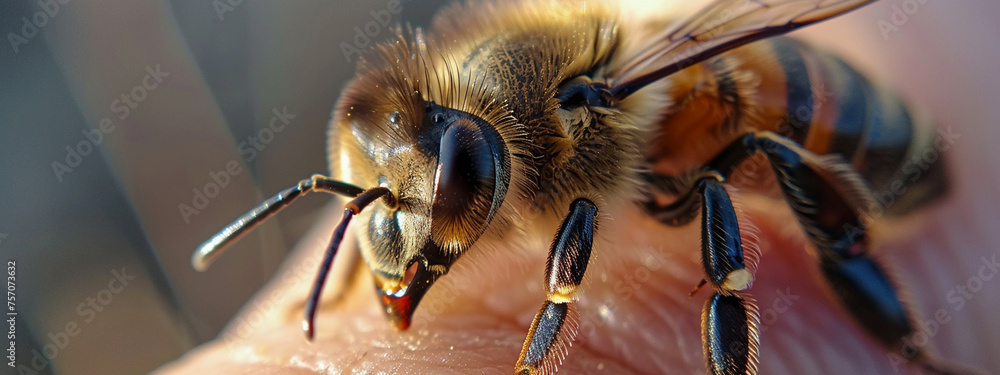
(470, 182)
(466, 170)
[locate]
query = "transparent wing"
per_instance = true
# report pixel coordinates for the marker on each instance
(719, 27)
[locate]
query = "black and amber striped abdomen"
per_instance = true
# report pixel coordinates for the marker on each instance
(808, 95)
(833, 109)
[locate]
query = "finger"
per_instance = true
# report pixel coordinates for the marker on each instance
(635, 314)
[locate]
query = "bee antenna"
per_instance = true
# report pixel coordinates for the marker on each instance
(208, 251)
(353, 207)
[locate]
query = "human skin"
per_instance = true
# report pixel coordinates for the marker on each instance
(636, 313)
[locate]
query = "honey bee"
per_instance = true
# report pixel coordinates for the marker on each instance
(530, 116)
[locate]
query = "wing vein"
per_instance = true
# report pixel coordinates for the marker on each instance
(716, 28)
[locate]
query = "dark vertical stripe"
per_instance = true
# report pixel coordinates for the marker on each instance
(904, 168)
(800, 97)
(728, 90)
(889, 138)
(875, 131)
(853, 96)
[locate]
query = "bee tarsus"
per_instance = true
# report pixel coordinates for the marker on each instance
(556, 324)
(831, 204)
(729, 334)
(730, 318)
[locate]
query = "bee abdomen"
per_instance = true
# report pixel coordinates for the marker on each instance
(833, 109)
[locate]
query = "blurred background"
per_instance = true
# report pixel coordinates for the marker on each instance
(130, 132)
(205, 84)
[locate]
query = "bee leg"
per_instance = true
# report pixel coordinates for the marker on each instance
(679, 213)
(831, 211)
(729, 334)
(831, 203)
(729, 321)
(555, 326)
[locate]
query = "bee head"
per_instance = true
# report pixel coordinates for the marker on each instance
(445, 144)
(448, 172)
